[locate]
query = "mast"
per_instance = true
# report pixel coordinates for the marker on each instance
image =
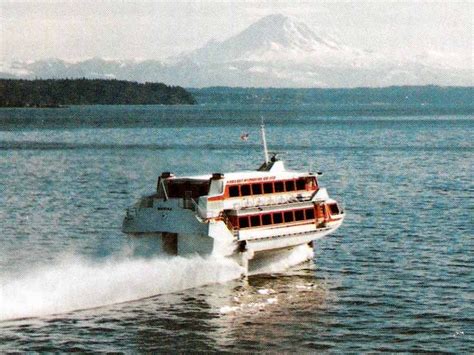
(264, 141)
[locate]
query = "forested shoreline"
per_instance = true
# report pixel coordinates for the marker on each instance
(65, 92)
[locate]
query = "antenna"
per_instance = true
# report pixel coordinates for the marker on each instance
(264, 141)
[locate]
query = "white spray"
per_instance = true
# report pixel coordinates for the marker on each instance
(75, 283)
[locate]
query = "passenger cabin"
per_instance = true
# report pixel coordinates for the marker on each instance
(249, 188)
(217, 192)
(213, 186)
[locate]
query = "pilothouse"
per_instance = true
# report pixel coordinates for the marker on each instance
(247, 214)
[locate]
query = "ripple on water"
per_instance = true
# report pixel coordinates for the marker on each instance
(397, 276)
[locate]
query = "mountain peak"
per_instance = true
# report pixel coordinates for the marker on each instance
(272, 33)
(286, 32)
(275, 19)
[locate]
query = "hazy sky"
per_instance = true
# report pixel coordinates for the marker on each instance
(75, 30)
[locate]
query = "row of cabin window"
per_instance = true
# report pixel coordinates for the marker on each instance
(266, 187)
(276, 218)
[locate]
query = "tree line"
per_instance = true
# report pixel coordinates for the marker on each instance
(64, 92)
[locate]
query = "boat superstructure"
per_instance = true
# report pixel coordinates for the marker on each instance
(245, 214)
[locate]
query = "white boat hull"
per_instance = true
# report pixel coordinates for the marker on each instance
(160, 231)
(249, 214)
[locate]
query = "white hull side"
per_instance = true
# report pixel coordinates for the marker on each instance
(289, 240)
(152, 228)
(216, 239)
(164, 218)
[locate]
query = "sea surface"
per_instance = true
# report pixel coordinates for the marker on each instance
(397, 276)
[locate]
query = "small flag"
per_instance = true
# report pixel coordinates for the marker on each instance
(244, 136)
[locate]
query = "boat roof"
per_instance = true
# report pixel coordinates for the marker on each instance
(243, 176)
(276, 172)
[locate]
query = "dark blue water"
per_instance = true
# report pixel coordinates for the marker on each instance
(397, 276)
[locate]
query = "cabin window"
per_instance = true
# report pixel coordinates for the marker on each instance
(268, 188)
(203, 189)
(299, 215)
(266, 219)
(290, 185)
(288, 216)
(234, 191)
(300, 184)
(174, 189)
(277, 218)
(233, 220)
(255, 221)
(333, 208)
(179, 188)
(309, 213)
(245, 190)
(279, 186)
(256, 189)
(311, 183)
(243, 222)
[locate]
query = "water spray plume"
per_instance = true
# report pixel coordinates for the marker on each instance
(75, 283)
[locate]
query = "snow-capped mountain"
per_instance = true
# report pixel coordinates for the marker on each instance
(276, 51)
(273, 38)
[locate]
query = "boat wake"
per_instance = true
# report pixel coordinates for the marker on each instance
(75, 283)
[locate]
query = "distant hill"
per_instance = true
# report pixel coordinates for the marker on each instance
(393, 95)
(54, 93)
